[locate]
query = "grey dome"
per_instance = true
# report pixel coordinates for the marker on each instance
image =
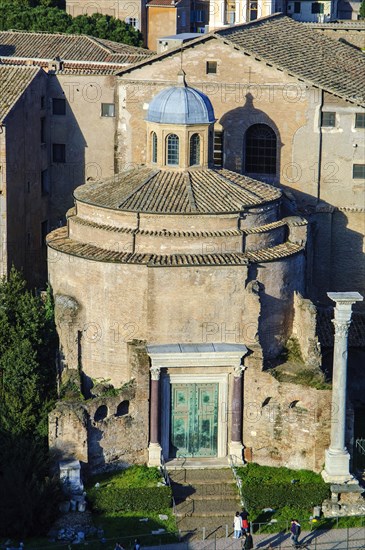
(181, 105)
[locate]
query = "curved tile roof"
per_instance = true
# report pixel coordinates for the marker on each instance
(14, 80)
(60, 241)
(293, 47)
(312, 56)
(178, 192)
(75, 47)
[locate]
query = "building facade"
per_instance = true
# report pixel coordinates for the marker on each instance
(174, 251)
(50, 142)
(299, 105)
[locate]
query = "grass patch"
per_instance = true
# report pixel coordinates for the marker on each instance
(121, 499)
(135, 489)
(135, 476)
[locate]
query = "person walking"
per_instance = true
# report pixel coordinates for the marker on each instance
(237, 526)
(247, 542)
(244, 516)
(137, 545)
(295, 529)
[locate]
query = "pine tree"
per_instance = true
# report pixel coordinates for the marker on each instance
(362, 10)
(28, 342)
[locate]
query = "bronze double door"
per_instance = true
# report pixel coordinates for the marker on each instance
(194, 420)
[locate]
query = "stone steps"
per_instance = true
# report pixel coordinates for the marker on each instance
(200, 491)
(205, 498)
(201, 476)
(207, 507)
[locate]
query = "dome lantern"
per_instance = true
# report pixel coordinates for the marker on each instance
(179, 125)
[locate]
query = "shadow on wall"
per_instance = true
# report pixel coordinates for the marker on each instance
(335, 253)
(105, 425)
(67, 144)
(235, 124)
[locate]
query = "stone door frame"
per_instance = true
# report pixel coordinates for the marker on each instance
(219, 378)
(165, 358)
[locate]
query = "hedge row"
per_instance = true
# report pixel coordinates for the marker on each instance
(258, 496)
(129, 499)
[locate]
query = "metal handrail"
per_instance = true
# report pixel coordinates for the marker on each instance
(233, 464)
(166, 477)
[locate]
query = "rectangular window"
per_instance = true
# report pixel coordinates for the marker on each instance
(44, 232)
(253, 11)
(43, 130)
(211, 67)
(358, 171)
(58, 106)
(198, 16)
(296, 7)
(328, 120)
(59, 152)
(107, 109)
(133, 21)
(317, 7)
(359, 120)
(218, 150)
(44, 182)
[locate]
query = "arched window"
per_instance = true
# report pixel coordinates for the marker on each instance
(101, 413)
(172, 149)
(194, 149)
(154, 147)
(260, 150)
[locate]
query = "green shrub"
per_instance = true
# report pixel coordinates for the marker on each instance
(277, 488)
(129, 499)
(132, 490)
(301, 495)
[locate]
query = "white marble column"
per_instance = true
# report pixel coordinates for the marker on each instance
(235, 445)
(154, 447)
(337, 457)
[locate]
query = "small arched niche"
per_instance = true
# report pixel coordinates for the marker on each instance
(266, 402)
(122, 409)
(101, 413)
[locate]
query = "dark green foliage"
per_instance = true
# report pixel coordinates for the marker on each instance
(266, 487)
(39, 16)
(29, 498)
(28, 342)
(129, 499)
(132, 490)
(362, 10)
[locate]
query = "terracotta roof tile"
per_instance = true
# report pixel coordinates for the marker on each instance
(58, 240)
(76, 48)
(308, 55)
(14, 80)
(293, 47)
(171, 191)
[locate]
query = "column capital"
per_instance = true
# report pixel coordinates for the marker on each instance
(155, 373)
(344, 300)
(238, 370)
(341, 328)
